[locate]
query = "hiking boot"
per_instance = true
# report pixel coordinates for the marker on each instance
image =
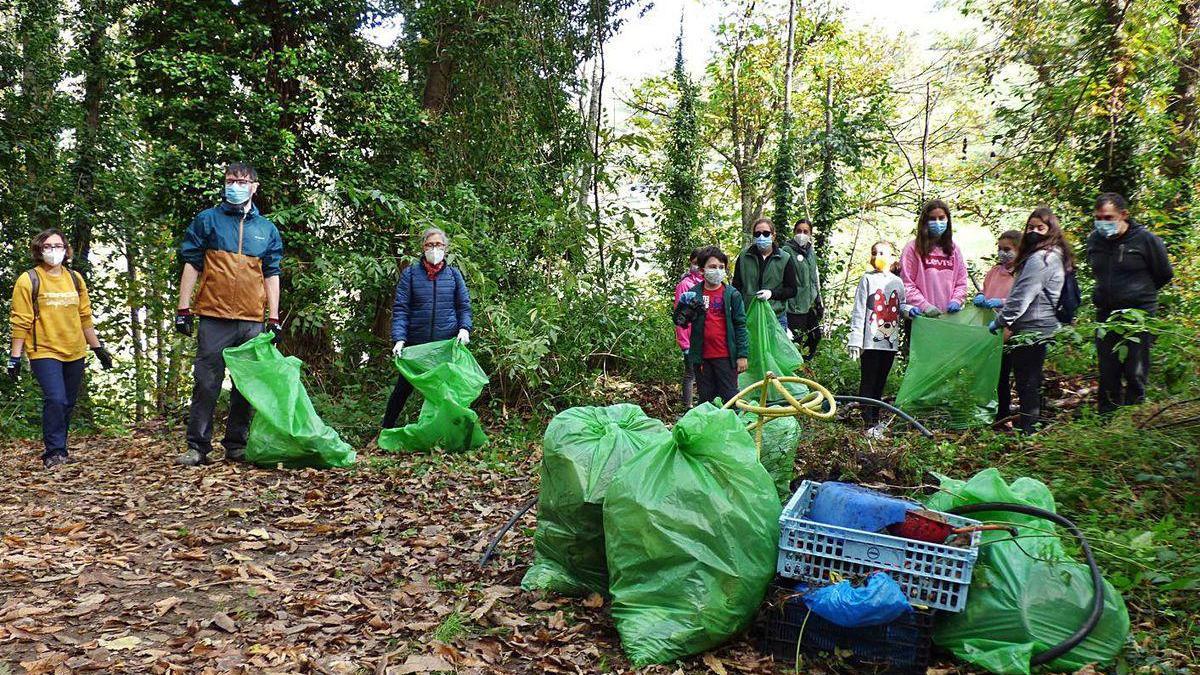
(193, 457)
(235, 454)
(54, 461)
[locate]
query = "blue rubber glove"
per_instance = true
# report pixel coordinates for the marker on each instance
(980, 301)
(688, 298)
(953, 307)
(993, 327)
(913, 312)
(995, 303)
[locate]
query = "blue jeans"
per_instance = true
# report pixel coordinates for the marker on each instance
(783, 321)
(60, 382)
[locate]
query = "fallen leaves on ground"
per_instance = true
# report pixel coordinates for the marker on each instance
(122, 562)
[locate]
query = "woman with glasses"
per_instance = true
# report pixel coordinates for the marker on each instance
(52, 322)
(432, 303)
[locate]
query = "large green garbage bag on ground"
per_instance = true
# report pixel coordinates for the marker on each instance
(1018, 606)
(953, 369)
(450, 380)
(780, 439)
(690, 528)
(583, 449)
(286, 429)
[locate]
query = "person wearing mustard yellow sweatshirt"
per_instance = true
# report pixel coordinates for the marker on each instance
(54, 327)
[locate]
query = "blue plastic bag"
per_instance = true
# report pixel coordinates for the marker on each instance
(878, 602)
(855, 507)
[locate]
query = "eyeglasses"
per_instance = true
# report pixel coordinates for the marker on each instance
(239, 181)
(763, 233)
(434, 244)
(53, 247)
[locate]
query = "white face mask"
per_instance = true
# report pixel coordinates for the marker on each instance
(714, 275)
(803, 239)
(54, 258)
(435, 255)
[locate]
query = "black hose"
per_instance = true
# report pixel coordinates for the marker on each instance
(1097, 578)
(487, 555)
(887, 406)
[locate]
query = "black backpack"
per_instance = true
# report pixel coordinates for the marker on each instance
(1069, 299)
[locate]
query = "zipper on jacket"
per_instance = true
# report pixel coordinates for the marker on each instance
(1121, 254)
(433, 310)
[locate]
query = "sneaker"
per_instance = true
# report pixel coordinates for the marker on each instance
(54, 461)
(235, 454)
(193, 457)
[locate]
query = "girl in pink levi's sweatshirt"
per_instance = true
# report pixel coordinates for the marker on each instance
(683, 335)
(932, 265)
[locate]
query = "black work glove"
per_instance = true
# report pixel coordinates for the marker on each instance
(275, 327)
(14, 368)
(103, 356)
(184, 322)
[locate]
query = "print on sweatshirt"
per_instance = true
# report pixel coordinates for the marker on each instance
(878, 306)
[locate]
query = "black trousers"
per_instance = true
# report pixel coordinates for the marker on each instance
(1027, 364)
(874, 365)
(396, 401)
(806, 331)
(1004, 387)
(1122, 381)
(213, 336)
(716, 378)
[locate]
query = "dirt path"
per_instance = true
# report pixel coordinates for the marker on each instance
(121, 562)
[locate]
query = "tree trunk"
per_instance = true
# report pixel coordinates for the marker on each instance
(1115, 165)
(1182, 110)
(133, 301)
(95, 22)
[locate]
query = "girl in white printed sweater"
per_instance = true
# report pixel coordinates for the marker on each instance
(875, 327)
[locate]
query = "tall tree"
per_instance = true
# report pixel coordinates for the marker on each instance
(785, 170)
(681, 176)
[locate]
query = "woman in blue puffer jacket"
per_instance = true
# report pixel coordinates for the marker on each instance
(432, 303)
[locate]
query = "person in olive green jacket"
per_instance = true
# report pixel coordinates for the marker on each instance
(805, 310)
(766, 271)
(720, 343)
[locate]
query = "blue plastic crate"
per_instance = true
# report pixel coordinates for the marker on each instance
(931, 575)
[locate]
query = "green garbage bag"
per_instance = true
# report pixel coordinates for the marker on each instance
(1018, 606)
(770, 350)
(780, 439)
(582, 451)
(286, 429)
(953, 369)
(690, 530)
(450, 380)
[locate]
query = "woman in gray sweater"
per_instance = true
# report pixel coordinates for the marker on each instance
(1030, 309)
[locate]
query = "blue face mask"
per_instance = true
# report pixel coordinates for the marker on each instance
(763, 243)
(1106, 228)
(237, 194)
(938, 227)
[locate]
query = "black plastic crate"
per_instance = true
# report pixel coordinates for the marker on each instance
(901, 646)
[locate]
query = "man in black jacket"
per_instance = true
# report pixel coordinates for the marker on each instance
(1130, 265)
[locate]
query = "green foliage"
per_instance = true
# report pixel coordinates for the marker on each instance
(681, 176)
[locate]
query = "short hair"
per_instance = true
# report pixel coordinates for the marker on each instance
(713, 252)
(696, 253)
(35, 244)
(1115, 198)
(802, 221)
(430, 231)
(760, 221)
(1010, 235)
(886, 243)
(241, 169)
